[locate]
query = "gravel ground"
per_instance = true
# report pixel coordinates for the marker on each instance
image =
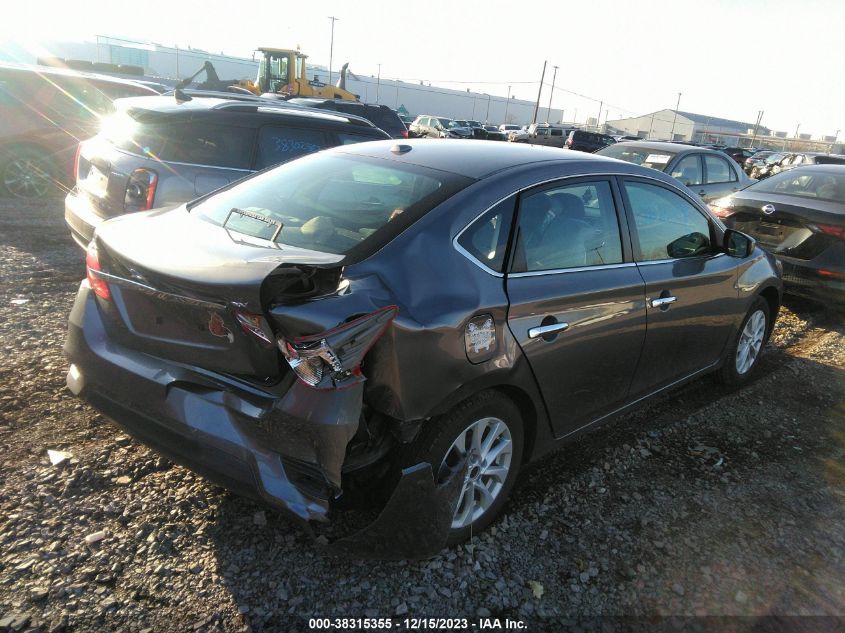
(710, 501)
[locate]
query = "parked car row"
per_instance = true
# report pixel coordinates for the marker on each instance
(773, 163)
(431, 126)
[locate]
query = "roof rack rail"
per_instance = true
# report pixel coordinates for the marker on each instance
(251, 106)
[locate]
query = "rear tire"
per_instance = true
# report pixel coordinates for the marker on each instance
(27, 172)
(744, 354)
(489, 428)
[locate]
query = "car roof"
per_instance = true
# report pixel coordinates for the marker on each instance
(169, 104)
(479, 159)
(68, 72)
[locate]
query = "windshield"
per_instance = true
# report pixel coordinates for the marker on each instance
(458, 123)
(775, 158)
(806, 183)
(329, 203)
(656, 159)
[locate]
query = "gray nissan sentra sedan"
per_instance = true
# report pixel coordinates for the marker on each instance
(405, 325)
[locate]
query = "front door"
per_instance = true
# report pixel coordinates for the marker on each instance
(690, 286)
(721, 177)
(576, 299)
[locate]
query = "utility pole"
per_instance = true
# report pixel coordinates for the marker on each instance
(487, 116)
(539, 92)
(551, 95)
(675, 118)
(831, 146)
(507, 105)
(378, 83)
(331, 47)
(651, 127)
(756, 127)
(598, 122)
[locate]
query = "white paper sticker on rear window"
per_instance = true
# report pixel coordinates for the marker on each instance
(657, 158)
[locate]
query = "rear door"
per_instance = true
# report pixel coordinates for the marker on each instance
(691, 296)
(576, 299)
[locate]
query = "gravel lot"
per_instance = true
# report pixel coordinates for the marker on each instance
(708, 502)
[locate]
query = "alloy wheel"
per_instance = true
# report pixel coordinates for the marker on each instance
(487, 446)
(750, 342)
(26, 178)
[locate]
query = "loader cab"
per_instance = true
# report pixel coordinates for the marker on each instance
(279, 70)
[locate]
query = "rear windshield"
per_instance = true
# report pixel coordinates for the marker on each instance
(805, 184)
(384, 118)
(182, 140)
(656, 159)
(332, 203)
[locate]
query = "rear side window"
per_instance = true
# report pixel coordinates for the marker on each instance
(331, 203)
(666, 226)
(348, 139)
(486, 239)
(278, 144)
(830, 160)
(183, 141)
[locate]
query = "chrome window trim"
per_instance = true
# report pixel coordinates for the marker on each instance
(579, 269)
(517, 192)
(680, 259)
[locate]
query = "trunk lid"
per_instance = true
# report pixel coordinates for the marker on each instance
(789, 229)
(181, 287)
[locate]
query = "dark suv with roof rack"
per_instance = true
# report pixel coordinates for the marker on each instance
(165, 150)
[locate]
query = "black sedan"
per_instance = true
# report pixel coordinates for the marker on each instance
(406, 325)
(707, 172)
(798, 216)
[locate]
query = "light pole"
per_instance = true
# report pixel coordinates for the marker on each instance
(378, 83)
(507, 104)
(331, 47)
(835, 136)
(551, 95)
(539, 92)
(675, 118)
(598, 122)
(487, 116)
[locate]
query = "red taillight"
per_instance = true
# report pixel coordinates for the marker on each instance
(828, 229)
(76, 163)
(721, 212)
(92, 263)
(404, 133)
(140, 190)
(830, 274)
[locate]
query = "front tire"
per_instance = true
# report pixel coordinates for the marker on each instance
(744, 354)
(487, 430)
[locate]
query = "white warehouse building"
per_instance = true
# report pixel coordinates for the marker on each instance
(675, 125)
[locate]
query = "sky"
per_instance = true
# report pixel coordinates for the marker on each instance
(727, 58)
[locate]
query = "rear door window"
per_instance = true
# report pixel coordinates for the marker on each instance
(569, 226)
(486, 239)
(277, 144)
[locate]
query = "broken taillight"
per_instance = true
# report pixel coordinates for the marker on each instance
(140, 190)
(92, 264)
(828, 229)
(333, 358)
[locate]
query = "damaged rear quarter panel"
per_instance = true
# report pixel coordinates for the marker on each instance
(419, 367)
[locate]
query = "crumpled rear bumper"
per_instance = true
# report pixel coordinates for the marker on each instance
(285, 450)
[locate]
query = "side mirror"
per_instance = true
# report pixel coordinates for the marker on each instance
(738, 244)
